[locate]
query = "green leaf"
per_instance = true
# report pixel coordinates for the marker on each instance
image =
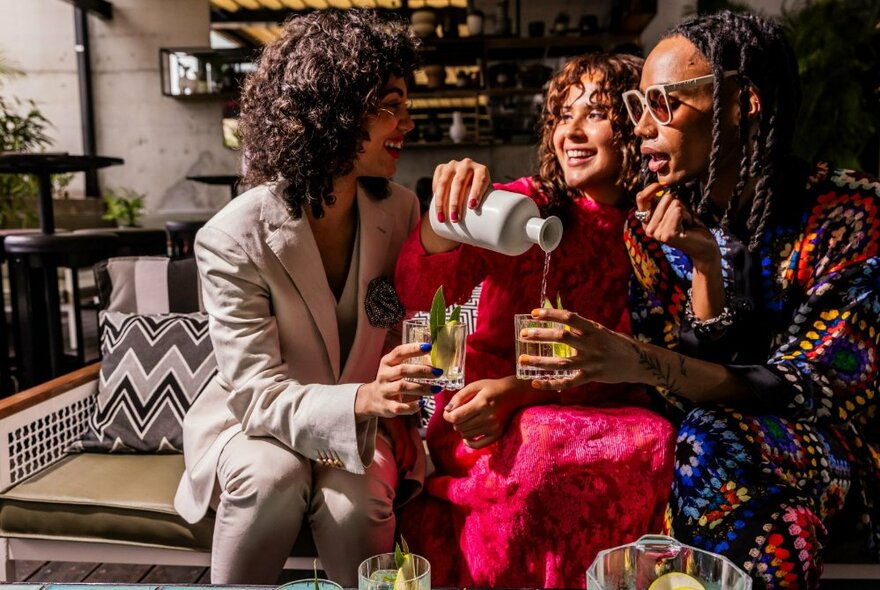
(404, 545)
(398, 556)
(315, 569)
(547, 304)
(559, 302)
(437, 318)
(455, 316)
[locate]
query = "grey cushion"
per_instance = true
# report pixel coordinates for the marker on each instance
(153, 369)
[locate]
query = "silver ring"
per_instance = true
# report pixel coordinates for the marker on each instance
(643, 215)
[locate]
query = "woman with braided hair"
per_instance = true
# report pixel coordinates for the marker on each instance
(755, 306)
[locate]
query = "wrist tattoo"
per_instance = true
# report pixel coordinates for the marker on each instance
(663, 374)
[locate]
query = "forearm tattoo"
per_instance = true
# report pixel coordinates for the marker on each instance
(664, 373)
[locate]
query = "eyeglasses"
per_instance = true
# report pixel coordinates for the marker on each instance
(656, 98)
(396, 109)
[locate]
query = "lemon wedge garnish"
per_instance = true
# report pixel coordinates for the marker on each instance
(405, 575)
(443, 349)
(676, 581)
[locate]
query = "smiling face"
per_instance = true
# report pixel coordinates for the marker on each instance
(386, 129)
(583, 143)
(680, 150)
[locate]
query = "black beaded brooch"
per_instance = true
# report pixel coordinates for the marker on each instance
(381, 304)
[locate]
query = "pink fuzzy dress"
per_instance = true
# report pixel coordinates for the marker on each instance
(566, 480)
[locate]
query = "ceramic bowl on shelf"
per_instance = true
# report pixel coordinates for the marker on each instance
(423, 16)
(424, 30)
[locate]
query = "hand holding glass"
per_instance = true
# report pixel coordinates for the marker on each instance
(447, 351)
(524, 321)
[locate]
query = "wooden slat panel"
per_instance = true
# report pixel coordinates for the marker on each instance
(272, 4)
(294, 4)
(227, 5)
(25, 568)
(117, 573)
(317, 4)
(173, 574)
(63, 571)
(249, 4)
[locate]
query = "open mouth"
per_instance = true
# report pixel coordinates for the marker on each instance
(657, 161)
(578, 156)
(394, 147)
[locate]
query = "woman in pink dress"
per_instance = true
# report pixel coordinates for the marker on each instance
(530, 485)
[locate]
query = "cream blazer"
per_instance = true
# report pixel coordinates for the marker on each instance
(272, 320)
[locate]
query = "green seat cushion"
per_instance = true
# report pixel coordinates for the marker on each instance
(97, 497)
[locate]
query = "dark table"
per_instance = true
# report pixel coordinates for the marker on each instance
(43, 166)
(36, 304)
(231, 180)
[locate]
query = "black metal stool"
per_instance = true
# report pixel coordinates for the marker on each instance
(182, 235)
(34, 263)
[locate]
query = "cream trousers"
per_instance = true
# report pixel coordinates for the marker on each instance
(264, 492)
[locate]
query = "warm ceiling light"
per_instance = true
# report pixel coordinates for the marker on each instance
(458, 3)
(388, 3)
(339, 4)
(416, 3)
(272, 4)
(317, 4)
(249, 4)
(227, 5)
(364, 3)
(294, 4)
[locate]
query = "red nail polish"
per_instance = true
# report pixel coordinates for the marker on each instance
(441, 217)
(472, 203)
(454, 216)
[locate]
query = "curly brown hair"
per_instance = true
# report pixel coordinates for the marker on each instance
(614, 74)
(303, 109)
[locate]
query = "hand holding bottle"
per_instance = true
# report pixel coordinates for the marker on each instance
(459, 184)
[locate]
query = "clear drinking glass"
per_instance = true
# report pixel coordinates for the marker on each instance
(656, 562)
(524, 321)
(380, 573)
(447, 353)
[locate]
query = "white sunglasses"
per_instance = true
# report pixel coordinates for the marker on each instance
(655, 100)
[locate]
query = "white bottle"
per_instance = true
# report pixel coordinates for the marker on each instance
(506, 222)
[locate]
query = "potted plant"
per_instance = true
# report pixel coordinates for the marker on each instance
(124, 206)
(22, 128)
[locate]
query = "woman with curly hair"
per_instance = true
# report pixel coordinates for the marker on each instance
(285, 434)
(538, 482)
(755, 307)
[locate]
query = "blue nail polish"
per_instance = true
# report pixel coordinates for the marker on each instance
(425, 347)
(437, 372)
(436, 389)
(422, 402)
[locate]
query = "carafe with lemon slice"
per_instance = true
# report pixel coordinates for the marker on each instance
(447, 335)
(658, 562)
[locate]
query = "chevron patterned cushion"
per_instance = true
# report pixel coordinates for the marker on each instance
(153, 368)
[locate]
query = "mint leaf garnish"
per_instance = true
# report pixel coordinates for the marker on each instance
(437, 318)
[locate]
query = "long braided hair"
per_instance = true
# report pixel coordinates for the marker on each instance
(758, 50)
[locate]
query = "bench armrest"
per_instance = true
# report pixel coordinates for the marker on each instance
(38, 425)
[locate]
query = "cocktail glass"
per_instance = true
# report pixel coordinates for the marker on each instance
(447, 353)
(380, 573)
(523, 321)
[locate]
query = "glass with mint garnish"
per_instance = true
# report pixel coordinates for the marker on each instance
(400, 570)
(446, 334)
